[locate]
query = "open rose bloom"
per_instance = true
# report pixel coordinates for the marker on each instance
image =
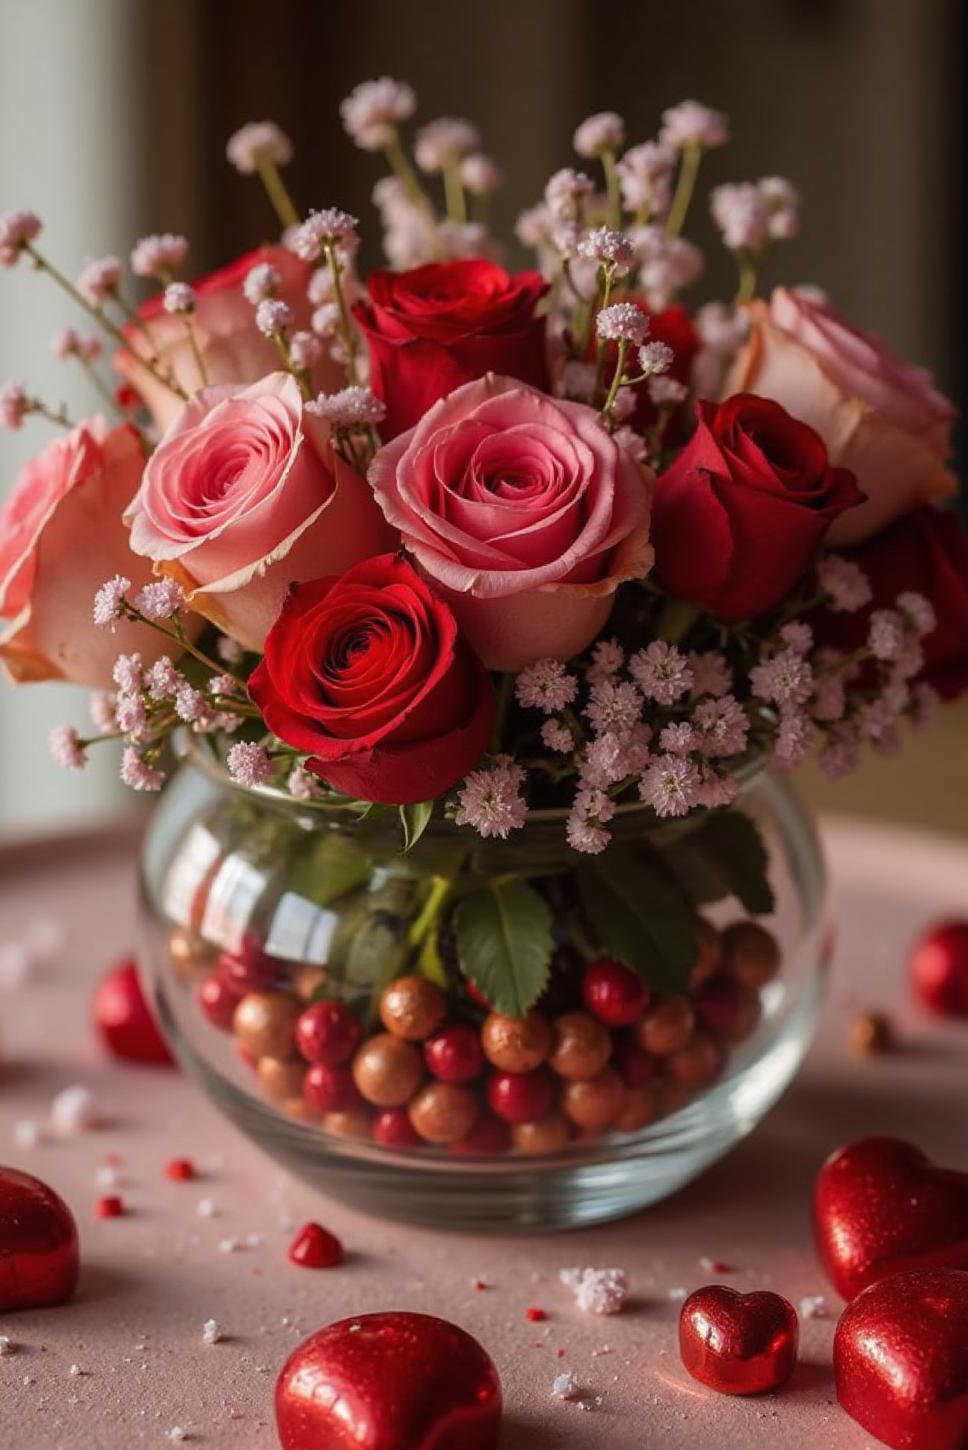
(465, 540)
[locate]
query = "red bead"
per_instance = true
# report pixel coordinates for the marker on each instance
(726, 1008)
(394, 1381)
(738, 1344)
(330, 1089)
(314, 1247)
(521, 1097)
(218, 998)
(180, 1170)
(392, 1127)
(534, 1315)
(880, 1206)
(901, 1360)
(328, 1032)
(110, 1207)
(488, 1138)
(38, 1244)
(248, 966)
(634, 1066)
(123, 1018)
(614, 993)
(454, 1054)
(939, 968)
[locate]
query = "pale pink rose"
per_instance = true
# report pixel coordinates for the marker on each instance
(879, 417)
(61, 537)
(243, 497)
(231, 346)
(524, 512)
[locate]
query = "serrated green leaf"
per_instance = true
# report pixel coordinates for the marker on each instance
(415, 819)
(642, 916)
(504, 944)
(724, 856)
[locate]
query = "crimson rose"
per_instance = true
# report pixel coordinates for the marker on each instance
(433, 328)
(925, 551)
(367, 671)
(740, 514)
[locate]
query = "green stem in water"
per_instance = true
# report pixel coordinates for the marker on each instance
(278, 195)
(685, 186)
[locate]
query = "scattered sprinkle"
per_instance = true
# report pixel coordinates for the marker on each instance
(565, 1386)
(534, 1315)
(110, 1207)
(72, 1111)
(211, 1333)
(26, 1134)
(813, 1306)
(180, 1170)
(7, 1345)
(678, 1294)
(207, 1208)
(597, 1291)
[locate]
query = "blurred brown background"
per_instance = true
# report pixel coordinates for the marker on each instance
(859, 102)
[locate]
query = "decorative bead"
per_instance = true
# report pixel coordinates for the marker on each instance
(488, 1137)
(110, 1207)
(124, 1020)
(443, 1112)
(393, 1381)
(871, 1033)
(710, 952)
(329, 1089)
(939, 968)
(454, 1054)
(636, 1068)
(516, 1044)
(412, 1007)
(264, 1023)
(727, 1008)
(328, 1032)
(218, 998)
(593, 1103)
(751, 954)
(314, 1247)
(38, 1244)
(738, 1344)
(280, 1078)
(355, 1124)
(393, 1129)
(697, 1064)
(387, 1070)
(547, 1135)
(180, 1170)
(582, 1046)
(300, 1110)
(666, 1026)
(307, 980)
(248, 967)
(640, 1107)
(613, 993)
(191, 958)
(521, 1097)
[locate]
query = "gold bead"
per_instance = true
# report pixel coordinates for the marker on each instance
(516, 1044)
(697, 1064)
(709, 954)
(546, 1135)
(666, 1025)
(870, 1033)
(640, 1107)
(352, 1123)
(191, 957)
(443, 1112)
(307, 979)
(593, 1103)
(412, 1008)
(387, 1070)
(582, 1046)
(299, 1109)
(264, 1023)
(751, 954)
(280, 1078)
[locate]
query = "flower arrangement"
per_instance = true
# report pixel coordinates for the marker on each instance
(454, 540)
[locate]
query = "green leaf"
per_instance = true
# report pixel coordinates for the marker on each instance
(642, 916)
(415, 819)
(724, 856)
(504, 944)
(333, 868)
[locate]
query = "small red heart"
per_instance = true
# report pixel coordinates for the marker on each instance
(880, 1207)
(739, 1344)
(901, 1360)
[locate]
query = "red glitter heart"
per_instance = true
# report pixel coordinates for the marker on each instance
(738, 1344)
(395, 1381)
(880, 1207)
(901, 1360)
(38, 1244)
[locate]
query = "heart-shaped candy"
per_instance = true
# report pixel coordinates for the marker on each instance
(395, 1381)
(901, 1360)
(881, 1207)
(739, 1344)
(38, 1244)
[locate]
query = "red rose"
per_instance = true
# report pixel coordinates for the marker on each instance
(742, 511)
(433, 328)
(368, 673)
(927, 552)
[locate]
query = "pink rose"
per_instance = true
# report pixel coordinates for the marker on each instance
(245, 496)
(232, 348)
(61, 537)
(878, 416)
(525, 513)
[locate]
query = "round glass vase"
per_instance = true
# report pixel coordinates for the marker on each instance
(258, 906)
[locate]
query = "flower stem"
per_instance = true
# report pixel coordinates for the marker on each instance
(98, 383)
(747, 278)
(278, 194)
(685, 186)
(454, 193)
(345, 321)
(612, 189)
(623, 347)
(399, 164)
(505, 693)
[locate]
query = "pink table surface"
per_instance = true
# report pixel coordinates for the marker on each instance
(151, 1278)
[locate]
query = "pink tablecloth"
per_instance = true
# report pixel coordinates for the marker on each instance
(151, 1278)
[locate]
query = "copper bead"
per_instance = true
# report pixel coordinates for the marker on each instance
(751, 954)
(307, 980)
(697, 1064)
(593, 1103)
(264, 1022)
(353, 1123)
(546, 1135)
(870, 1033)
(709, 954)
(666, 1026)
(640, 1107)
(191, 957)
(443, 1112)
(280, 1078)
(582, 1046)
(412, 1008)
(516, 1044)
(387, 1070)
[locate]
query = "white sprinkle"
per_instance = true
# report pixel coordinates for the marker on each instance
(597, 1291)
(7, 1346)
(565, 1386)
(107, 1177)
(206, 1208)
(211, 1333)
(813, 1306)
(179, 1434)
(253, 1241)
(26, 1134)
(75, 1369)
(229, 1245)
(16, 964)
(678, 1294)
(72, 1111)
